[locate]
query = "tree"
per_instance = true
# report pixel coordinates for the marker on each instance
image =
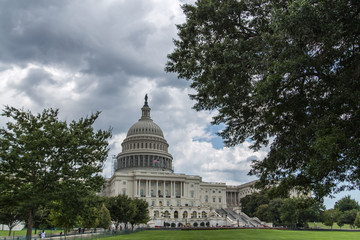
(122, 209)
(44, 159)
(346, 203)
(41, 219)
(330, 216)
(284, 72)
(81, 209)
(263, 212)
(339, 222)
(141, 214)
(274, 206)
(357, 221)
(288, 213)
(298, 211)
(348, 217)
(104, 217)
(90, 213)
(62, 216)
(250, 203)
(309, 210)
(10, 213)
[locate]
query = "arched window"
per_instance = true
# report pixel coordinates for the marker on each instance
(203, 214)
(193, 214)
(176, 214)
(156, 214)
(185, 214)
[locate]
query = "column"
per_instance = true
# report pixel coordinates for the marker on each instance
(157, 188)
(139, 188)
(171, 189)
(149, 188)
(135, 187)
(164, 189)
(181, 189)
(174, 189)
(146, 187)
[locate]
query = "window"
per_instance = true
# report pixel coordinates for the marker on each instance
(152, 203)
(213, 191)
(192, 194)
(124, 182)
(219, 199)
(124, 192)
(214, 200)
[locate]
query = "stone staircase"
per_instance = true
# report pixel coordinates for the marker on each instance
(240, 219)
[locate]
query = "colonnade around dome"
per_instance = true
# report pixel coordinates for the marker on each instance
(155, 162)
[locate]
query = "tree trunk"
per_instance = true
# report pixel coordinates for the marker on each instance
(30, 225)
(10, 228)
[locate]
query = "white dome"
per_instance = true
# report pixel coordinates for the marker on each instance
(144, 146)
(145, 126)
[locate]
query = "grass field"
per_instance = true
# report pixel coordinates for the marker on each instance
(244, 234)
(23, 232)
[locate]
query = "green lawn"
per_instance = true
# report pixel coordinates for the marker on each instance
(23, 232)
(245, 234)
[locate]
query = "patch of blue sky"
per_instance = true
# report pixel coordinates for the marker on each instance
(330, 202)
(216, 141)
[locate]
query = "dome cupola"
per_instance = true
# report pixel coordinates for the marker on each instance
(144, 146)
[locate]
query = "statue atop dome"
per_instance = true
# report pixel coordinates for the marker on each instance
(146, 98)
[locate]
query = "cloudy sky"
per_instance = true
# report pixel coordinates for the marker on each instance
(90, 55)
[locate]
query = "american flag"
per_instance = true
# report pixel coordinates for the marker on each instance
(156, 161)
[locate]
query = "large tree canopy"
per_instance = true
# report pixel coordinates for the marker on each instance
(284, 73)
(43, 159)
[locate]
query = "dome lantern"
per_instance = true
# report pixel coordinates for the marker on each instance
(145, 109)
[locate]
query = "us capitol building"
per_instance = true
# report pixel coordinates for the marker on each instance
(144, 169)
